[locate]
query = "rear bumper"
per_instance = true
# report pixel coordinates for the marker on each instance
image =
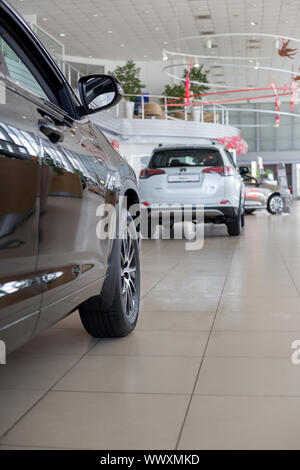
(192, 212)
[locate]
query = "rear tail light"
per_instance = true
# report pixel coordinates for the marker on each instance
(221, 170)
(148, 172)
(214, 169)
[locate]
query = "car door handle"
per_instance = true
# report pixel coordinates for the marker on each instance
(47, 127)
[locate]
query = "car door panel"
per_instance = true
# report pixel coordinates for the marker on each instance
(72, 261)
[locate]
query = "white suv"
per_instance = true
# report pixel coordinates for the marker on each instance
(198, 175)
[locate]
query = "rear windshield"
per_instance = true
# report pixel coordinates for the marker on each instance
(185, 157)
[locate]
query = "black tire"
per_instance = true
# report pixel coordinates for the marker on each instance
(109, 314)
(234, 227)
(249, 211)
(275, 204)
(243, 220)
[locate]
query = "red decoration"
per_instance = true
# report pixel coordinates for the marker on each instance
(235, 142)
(115, 145)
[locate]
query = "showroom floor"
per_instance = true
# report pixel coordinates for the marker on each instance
(209, 365)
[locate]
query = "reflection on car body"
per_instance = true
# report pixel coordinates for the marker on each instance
(56, 168)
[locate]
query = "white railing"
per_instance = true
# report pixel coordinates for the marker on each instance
(204, 113)
(166, 107)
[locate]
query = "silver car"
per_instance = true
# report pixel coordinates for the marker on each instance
(263, 195)
(203, 175)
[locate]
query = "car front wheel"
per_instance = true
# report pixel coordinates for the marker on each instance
(275, 204)
(114, 312)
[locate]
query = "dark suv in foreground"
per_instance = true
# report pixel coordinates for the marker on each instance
(59, 175)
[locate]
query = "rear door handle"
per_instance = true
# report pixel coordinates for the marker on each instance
(47, 127)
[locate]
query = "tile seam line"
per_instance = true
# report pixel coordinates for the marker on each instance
(2, 436)
(204, 352)
(160, 279)
(287, 268)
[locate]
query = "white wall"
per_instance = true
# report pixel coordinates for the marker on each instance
(152, 74)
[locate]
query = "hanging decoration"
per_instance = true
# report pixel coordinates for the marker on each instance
(235, 143)
(277, 104)
(188, 85)
(293, 97)
(284, 51)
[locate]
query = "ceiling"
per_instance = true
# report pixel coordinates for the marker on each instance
(140, 29)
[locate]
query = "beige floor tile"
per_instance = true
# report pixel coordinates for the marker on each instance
(245, 289)
(249, 376)
(184, 321)
(158, 343)
(248, 321)
(161, 265)
(242, 423)
(138, 374)
(71, 321)
(102, 421)
(2, 447)
(259, 305)
(60, 341)
(35, 371)
(251, 344)
(13, 404)
(173, 302)
(188, 285)
(148, 281)
(205, 268)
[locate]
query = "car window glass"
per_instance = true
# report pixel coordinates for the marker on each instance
(186, 157)
(19, 72)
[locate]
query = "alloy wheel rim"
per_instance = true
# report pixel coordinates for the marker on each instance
(276, 204)
(128, 274)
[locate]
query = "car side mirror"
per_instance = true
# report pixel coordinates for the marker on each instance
(98, 92)
(244, 170)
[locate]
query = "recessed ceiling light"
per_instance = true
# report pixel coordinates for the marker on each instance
(122, 45)
(147, 12)
(145, 56)
(95, 14)
(62, 34)
(157, 28)
(44, 19)
(165, 42)
(109, 31)
(253, 23)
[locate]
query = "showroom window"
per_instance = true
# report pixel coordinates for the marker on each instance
(18, 71)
